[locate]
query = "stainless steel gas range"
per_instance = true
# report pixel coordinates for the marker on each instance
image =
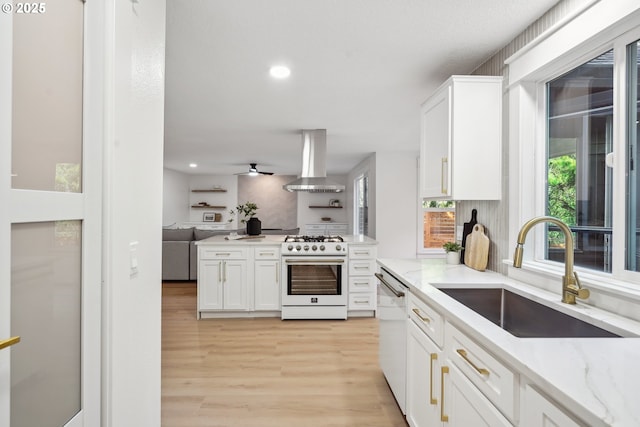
(314, 272)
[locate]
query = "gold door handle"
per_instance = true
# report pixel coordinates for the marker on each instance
(8, 343)
(424, 319)
(443, 417)
(463, 354)
(443, 174)
(433, 357)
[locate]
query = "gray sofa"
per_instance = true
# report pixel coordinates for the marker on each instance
(180, 254)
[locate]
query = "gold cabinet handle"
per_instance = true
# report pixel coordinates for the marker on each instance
(433, 357)
(9, 342)
(443, 161)
(424, 319)
(443, 417)
(463, 354)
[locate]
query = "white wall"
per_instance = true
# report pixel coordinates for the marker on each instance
(305, 199)
(134, 92)
(175, 197)
(396, 197)
(228, 199)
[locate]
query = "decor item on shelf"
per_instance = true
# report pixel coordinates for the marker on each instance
(334, 203)
(453, 252)
(248, 210)
(326, 218)
(208, 217)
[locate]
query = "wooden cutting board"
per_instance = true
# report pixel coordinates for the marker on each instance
(476, 252)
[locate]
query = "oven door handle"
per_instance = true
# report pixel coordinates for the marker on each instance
(315, 261)
(396, 292)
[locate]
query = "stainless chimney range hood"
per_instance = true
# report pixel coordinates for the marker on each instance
(314, 168)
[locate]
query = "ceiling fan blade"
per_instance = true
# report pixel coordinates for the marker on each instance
(253, 170)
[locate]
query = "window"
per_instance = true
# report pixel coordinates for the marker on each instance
(438, 223)
(631, 196)
(582, 136)
(579, 182)
(361, 211)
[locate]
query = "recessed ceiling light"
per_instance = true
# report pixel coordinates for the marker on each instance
(280, 72)
(193, 165)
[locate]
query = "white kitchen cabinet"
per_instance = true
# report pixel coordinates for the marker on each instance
(463, 405)
(538, 411)
(222, 279)
(423, 378)
(362, 282)
(460, 141)
(266, 278)
(325, 229)
(495, 380)
(451, 381)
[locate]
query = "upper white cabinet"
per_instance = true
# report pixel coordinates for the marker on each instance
(460, 140)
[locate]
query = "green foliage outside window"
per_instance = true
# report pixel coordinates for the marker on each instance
(562, 194)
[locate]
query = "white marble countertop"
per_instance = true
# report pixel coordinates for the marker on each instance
(595, 378)
(275, 239)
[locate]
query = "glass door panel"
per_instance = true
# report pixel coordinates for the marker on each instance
(47, 98)
(46, 312)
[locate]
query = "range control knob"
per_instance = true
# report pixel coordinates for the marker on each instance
(322, 247)
(306, 247)
(290, 247)
(298, 247)
(338, 248)
(314, 248)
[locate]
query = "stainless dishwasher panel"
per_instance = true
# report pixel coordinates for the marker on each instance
(392, 317)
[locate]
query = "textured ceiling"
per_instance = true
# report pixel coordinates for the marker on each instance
(360, 69)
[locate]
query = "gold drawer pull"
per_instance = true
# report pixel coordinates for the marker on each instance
(424, 319)
(9, 342)
(463, 354)
(443, 370)
(433, 357)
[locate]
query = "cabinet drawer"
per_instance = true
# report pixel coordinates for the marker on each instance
(362, 284)
(223, 253)
(362, 301)
(336, 229)
(496, 381)
(427, 319)
(356, 252)
(315, 229)
(362, 267)
(266, 252)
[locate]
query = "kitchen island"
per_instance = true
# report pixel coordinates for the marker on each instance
(248, 276)
(522, 381)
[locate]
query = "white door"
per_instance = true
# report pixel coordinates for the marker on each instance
(50, 219)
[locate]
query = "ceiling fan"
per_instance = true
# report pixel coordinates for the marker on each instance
(253, 171)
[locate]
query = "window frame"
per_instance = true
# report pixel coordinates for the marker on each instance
(532, 70)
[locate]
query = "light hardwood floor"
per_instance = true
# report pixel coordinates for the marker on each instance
(269, 372)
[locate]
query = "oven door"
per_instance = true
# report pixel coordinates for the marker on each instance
(314, 281)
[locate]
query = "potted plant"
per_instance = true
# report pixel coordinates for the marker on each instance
(453, 252)
(248, 210)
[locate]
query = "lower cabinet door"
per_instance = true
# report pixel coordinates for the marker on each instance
(537, 411)
(234, 287)
(423, 379)
(210, 285)
(267, 285)
(463, 405)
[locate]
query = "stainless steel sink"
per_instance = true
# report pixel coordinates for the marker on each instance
(523, 317)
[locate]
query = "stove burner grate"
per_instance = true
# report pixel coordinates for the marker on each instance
(321, 239)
